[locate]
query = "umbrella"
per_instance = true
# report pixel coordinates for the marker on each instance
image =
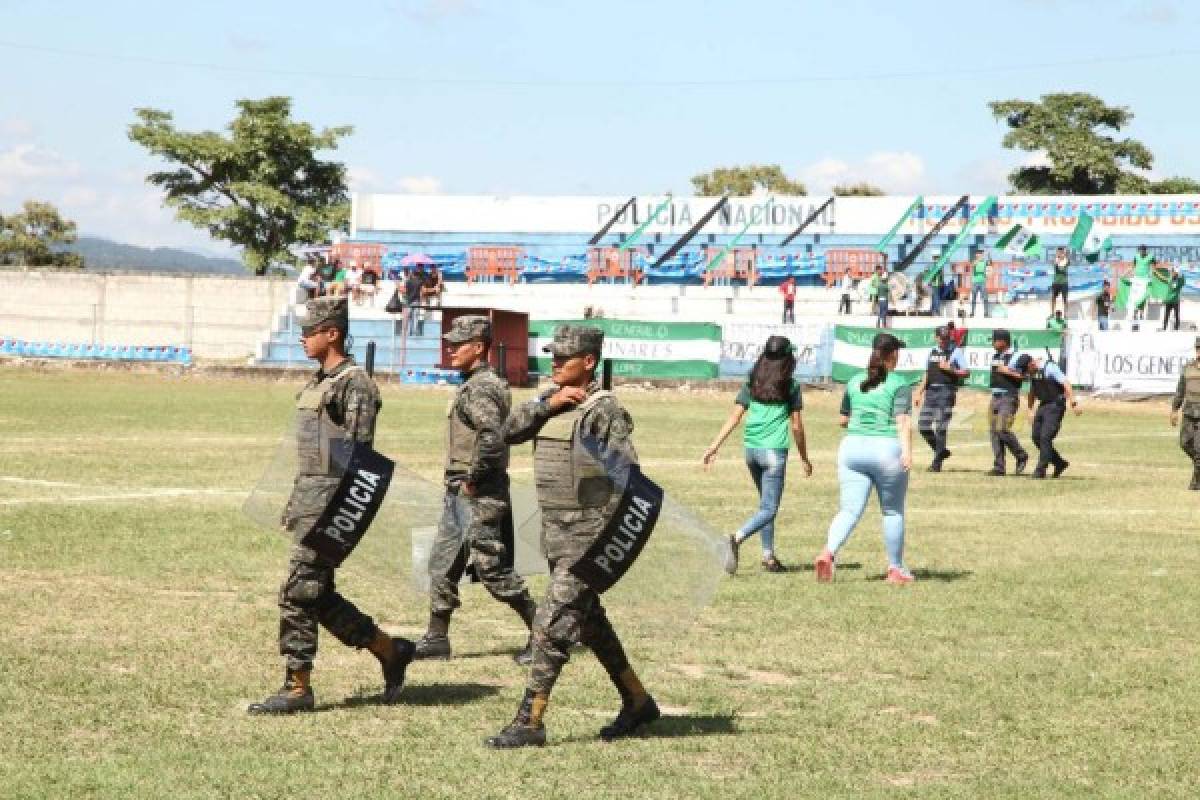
(415, 260)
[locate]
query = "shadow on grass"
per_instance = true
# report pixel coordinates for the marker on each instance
(669, 726)
(810, 567)
(943, 575)
(418, 694)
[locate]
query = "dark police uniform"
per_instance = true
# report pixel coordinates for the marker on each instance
(1003, 408)
(1046, 385)
(941, 391)
(1187, 400)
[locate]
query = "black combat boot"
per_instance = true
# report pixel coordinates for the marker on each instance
(435, 644)
(1195, 484)
(526, 729)
(395, 653)
(637, 707)
(295, 695)
(1021, 462)
(1060, 468)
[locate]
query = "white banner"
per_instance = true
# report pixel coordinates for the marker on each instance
(742, 344)
(1128, 361)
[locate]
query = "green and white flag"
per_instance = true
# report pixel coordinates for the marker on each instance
(1021, 242)
(852, 348)
(1090, 238)
(641, 349)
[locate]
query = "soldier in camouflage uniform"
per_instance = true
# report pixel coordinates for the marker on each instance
(1187, 399)
(577, 498)
(339, 403)
(476, 504)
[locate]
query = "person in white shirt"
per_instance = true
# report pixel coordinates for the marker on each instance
(354, 283)
(309, 282)
(847, 286)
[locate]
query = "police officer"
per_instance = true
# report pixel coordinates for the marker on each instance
(339, 403)
(1006, 379)
(1187, 399)
(1050, 387)
(576, 496)
(476, 506)
(945, 371)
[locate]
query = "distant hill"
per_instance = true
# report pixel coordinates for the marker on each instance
(104, 254)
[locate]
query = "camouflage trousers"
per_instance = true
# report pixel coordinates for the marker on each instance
(1189, 438)
(309, 597)
(570, 613)
(472, 527)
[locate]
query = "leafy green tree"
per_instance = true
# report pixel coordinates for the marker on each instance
(34, 236)
(744, 181)
(1076, 131)
(261, 187)
(862, 189)
(1174, 186)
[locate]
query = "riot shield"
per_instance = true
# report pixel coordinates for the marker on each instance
(655, 562)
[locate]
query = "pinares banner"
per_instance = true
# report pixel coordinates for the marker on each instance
(690, 350)
(852, 349)
(1129, 361)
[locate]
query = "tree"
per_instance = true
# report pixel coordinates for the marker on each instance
(262, 187)
(1075, 131)
(33, 237)
(744, 181)
(862, 189)
(1174, 186)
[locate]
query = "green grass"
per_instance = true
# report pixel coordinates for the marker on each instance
(1049, 651)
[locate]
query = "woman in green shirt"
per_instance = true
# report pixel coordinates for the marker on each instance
(772, 398)
(876, 453)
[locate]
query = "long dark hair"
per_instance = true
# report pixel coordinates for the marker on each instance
(884, 345)
(771, 377)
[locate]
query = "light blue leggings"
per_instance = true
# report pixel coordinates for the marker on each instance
(865, 462)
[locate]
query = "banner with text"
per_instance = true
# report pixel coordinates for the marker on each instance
(741, 345)
(852, 348)
(1129, 361)
(689, 350)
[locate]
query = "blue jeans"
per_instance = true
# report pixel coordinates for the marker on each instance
(881, 319)
(768, 468)
(865, 462)
(1102, 321)
(979, 290)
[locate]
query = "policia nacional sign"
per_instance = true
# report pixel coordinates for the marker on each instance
(353, 505)
(618, 545)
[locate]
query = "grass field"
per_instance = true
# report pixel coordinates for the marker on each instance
(1049, 649)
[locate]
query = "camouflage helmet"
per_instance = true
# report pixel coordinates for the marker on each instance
(469, 328)
(326, 312)
(573, 340)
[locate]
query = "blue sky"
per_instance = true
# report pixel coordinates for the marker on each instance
(539, 97)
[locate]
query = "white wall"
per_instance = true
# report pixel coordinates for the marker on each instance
(219, 317)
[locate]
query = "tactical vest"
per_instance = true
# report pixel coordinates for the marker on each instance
(934, 374)
(1191, 388)
(998, 379)
(1046, 390)
(460, 436)
(316, 433)
(566, 474)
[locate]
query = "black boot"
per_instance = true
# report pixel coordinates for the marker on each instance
(526, 729)
(403, 653)
(1195, 484)
(435, 644)
(295, 695)
(630, 719)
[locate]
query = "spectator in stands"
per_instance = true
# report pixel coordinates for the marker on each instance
(847, 286)
(309, 282)
(880, 290)
(979, 277)
(1139, 288)
(1056, 323)
(434, 286)
(370, 285)
(873, 289)
(772, 397)
(1175, 282)
(1059, 283)
(354, 277)
(959, 335)
(413, 284)
(328, 270)
(338, 285)
(1103, 305)
(936, 281)
(788, 290)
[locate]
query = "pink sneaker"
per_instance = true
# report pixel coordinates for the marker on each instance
(899, 576)
(823, 566)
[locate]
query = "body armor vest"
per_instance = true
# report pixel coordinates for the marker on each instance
(998, 379)
(316, 433)
(934, 374)
(567, 475)
(1046, 390)
(1191, 388)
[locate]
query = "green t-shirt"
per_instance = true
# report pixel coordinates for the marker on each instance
(979, 272)
(340, 277)
(1174, 289)
(767, 424)
(1056, 324)
(1142, 265)
(874, 413)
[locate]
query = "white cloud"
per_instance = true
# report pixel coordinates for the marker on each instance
(16, 127)
(24, 165)
(420, 184)
(1157, 12)
(363, 179)
(894, 172)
